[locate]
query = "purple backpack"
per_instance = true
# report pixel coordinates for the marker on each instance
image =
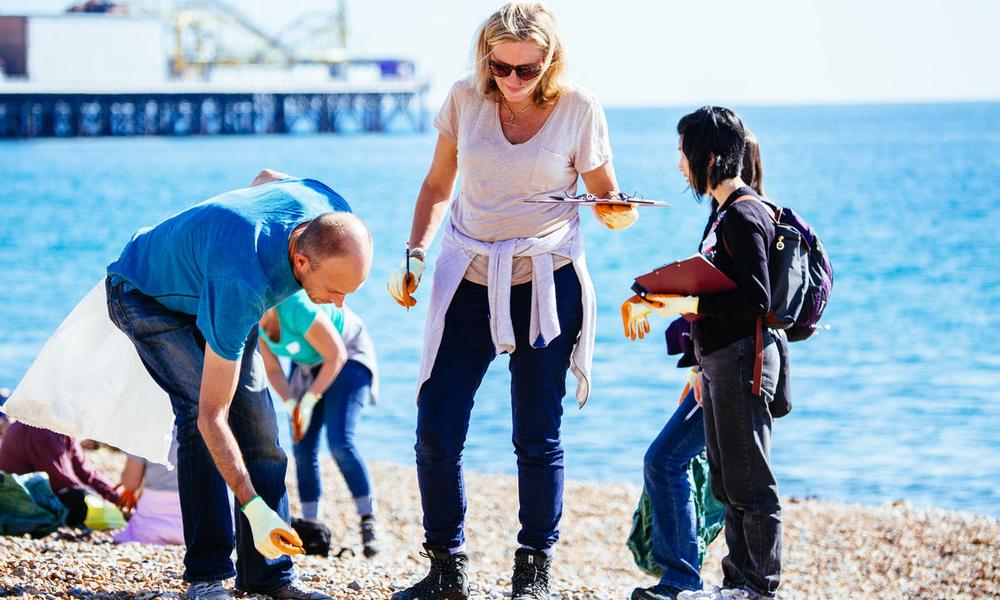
(799, 271)
(801, 279)
(806, 303)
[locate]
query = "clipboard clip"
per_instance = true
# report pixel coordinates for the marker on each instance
(639, 290)
(587, 197)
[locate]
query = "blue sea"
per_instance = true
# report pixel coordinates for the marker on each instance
(898, 400)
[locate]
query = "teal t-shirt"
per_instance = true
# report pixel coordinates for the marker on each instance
(295, 316)
(225, 260)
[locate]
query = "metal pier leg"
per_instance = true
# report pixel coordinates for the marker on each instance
(325, 124)
(279, 125)
(373, 112)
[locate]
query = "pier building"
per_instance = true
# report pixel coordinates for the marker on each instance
(194, 68)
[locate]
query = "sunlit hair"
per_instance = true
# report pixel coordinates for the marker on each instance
(521, 22)
(753, 170)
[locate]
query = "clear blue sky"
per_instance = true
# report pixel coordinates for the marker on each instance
(647, 52)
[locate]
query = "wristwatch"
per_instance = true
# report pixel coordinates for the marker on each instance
(418, 253)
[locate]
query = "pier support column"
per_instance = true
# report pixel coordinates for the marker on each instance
(373, 112)
(279, 125)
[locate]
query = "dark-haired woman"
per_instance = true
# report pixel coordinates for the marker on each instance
(734, 397)
(665, 466)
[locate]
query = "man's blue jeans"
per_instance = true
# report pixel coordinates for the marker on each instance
(538, 385)
(738, 437)
(665, 472)
(338, 411)
(173, 351)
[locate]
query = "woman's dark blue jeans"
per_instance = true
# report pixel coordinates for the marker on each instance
(665, 474)
(173, 351)
(738, 436)
(338, 411)
(538, 385)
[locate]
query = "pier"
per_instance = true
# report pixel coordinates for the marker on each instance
(30, 111)
(195, 68)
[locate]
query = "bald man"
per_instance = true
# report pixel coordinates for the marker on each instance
(189, 293)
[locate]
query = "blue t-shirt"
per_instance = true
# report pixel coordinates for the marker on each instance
(225, 260)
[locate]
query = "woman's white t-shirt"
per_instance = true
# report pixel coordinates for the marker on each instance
(495, 176)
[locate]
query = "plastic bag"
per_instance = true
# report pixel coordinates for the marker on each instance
(89, 383)
(102, 515)
(27, 505)
(710, 513)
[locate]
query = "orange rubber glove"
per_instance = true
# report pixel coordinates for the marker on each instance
(271, 535)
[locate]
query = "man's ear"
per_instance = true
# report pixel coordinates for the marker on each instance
(300, 261)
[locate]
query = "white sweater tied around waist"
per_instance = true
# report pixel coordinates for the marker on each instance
(458, 252)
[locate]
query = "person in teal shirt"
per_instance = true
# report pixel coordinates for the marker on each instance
(189, 293)
(331, 378)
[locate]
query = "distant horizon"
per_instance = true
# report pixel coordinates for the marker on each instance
(817, 104)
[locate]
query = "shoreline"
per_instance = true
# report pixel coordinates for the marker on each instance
(831, 550)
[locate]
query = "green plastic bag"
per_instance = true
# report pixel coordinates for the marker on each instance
(27, 505)
(709, 512)
(102, 515)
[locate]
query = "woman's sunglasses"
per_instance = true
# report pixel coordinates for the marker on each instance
(524, 72)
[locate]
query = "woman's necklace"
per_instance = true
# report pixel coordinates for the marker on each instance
(513, 115)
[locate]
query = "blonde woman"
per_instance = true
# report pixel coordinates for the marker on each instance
(511, 278)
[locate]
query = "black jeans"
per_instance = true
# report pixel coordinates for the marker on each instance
(738, 438)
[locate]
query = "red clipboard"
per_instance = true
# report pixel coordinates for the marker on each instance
(693, 276)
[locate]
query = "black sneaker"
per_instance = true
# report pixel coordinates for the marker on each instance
(445, 581)
(657, 592)
(531, 575)
(368, 536)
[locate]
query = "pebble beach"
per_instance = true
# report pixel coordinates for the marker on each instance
(831, 550)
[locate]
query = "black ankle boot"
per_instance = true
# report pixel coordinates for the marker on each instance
(531, 575)
(368, 536)
(446, 580)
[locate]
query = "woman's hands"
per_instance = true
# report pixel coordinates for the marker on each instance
(636, 310)
(634, 317)
(602, 183)
(694, 380)
(616, 216)
(673, 304)
(300, 413)
(402, 284)
(432, 205)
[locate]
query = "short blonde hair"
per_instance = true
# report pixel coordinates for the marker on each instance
(521, 22)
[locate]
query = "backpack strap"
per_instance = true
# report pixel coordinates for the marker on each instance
(772, 209)
(758, 362)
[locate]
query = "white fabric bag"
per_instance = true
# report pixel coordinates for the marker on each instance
(89, 383)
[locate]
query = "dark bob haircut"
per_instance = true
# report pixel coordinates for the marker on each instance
(707, 133)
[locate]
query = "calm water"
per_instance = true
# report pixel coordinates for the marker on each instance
(898, 400)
